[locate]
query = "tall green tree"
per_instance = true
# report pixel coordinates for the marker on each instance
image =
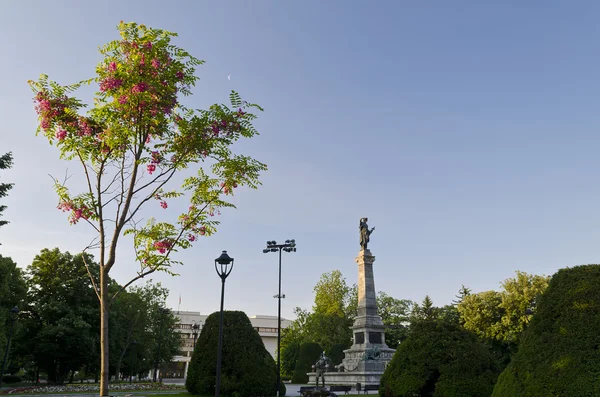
(61, 321)
(395, 314)
(463, 292)
(424, 311)
(5, 163)
(133, 144)
(503, 315)
(329, 323)
(13, 293)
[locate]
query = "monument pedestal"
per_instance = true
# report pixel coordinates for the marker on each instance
(365, 361)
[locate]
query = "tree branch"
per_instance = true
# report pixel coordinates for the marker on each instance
(90, 275)
(160, 185)
(133, 280)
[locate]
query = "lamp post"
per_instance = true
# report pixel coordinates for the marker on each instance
(134, 349)
(162, 312)
(13, 317)
(223, 269)
(272, 246)
(195, 331)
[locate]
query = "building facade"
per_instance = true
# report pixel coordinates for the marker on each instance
(266, 326)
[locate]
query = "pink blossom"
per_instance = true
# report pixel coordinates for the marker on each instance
(179, 75)
(162, 246)
(110, 83)
(123, 99)
(151, 168)
(84, 128)
(215, 128)
(164, 204)
(61, 134)
(43, 105)
(79, 213)
(149, 45)
(191, 237)
(155, 63)
(202, 230)
(139, 87)
(64, 206)
(45, 123)
(112, 66)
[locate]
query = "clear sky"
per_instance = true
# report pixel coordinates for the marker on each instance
(466, 131)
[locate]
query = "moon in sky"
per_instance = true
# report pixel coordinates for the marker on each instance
(229, 77)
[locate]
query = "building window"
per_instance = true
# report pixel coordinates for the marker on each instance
(265, 329)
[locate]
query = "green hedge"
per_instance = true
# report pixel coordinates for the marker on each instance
(308, 355)
(247, 368)
(559, 354)
(440, 359)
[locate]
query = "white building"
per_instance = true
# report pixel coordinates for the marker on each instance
(266, 326)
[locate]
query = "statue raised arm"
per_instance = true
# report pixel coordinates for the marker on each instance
(364, 233)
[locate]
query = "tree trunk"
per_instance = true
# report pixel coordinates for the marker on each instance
(104, 369)
(72, 375)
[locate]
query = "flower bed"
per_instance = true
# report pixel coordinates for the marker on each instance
(90, 388)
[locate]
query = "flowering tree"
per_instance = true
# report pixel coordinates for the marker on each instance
(132, 142)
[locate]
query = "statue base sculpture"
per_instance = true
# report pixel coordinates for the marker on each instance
(366, 359)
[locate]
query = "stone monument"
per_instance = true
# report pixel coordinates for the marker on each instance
(366, 359)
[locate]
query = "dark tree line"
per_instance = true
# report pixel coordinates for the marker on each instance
(57, 333)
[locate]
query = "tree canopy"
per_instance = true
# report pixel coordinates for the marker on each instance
(59, 333)
(558, 353)
(13, 292)
(5, 163)
(440, 359)
(503, 315)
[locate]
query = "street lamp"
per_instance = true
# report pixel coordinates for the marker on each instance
(134, 350)
(195, 330)
(13, 316)
(163, 313)
(272, 246)
(222, 267)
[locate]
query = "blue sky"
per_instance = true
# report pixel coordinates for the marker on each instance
(466, 132)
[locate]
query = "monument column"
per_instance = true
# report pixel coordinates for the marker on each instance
(367, 299)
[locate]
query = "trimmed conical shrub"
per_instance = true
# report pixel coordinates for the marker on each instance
(440, 359)
(247, 368)
(559, 354)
